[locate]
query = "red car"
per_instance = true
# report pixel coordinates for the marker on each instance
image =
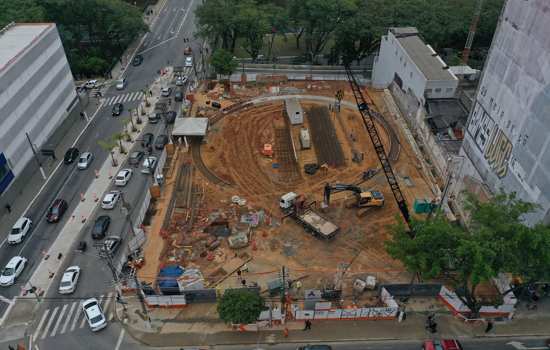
(443, 344)
(57, 210)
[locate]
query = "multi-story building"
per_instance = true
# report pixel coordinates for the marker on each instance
(413, 65)
(507, 139)
(37, 91)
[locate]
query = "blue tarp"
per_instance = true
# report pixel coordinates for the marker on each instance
(167, 279)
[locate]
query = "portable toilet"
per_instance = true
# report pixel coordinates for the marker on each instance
(304, 138)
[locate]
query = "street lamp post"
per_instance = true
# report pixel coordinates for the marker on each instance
(36, 156)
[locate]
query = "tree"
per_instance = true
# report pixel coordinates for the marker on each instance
(216, 22)
(109, 146)
(21, 11)
(496, 241)
(240, 306)
(223, 62)
(252, 25)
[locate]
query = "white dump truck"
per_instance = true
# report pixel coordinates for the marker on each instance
(293, 205)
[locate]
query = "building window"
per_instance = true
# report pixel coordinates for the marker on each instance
(448, 89)
(437, 90)
(405, 64)
(396, 52)
(429, 91)
(411, 74)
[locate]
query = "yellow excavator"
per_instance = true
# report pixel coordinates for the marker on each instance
(364, 200)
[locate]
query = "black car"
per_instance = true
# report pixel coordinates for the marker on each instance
(137, 60)
(56, 211)
(161, 141)
(170, 117)
(71, 155)
(178, 96)
(100, 227)
(147, 140)
(135, 158)
(110, 246)
(117, 109)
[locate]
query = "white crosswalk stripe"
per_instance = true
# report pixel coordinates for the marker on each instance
(68, 318)
(128, 97)
(40, 324)
(52, 317)
(59, 318)
(76, 317)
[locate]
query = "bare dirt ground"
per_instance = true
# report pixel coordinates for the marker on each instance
(233, 153)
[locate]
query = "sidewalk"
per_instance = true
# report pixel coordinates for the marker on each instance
(210, 331)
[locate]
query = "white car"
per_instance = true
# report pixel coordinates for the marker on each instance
(181, 80)
(121, 84)
(149, 165)
(90, 84)
(19, 230)
(12, 270)
(69, 280)
(123, 177)
(166, 91)
(94, 315)
(189, 61)
(85, 160)
(110, 199)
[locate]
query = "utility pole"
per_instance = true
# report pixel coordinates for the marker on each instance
(36, 156)
(284, 277)
(141, 299)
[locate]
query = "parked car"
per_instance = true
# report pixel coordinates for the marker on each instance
(135, 158)
(117, 109)
(94, 315)
(166, 91)
(121, 84)
(101, 225)
(137, 60)
(149, 165)
(170, 117)
(13, 269)
(19, 230)
(147, 140)
(189, 61)
(110, 199)
(154, 117)
(178, 96)
(110, 246)
(443, 344)
(56, 211)
(71, 155)
(161, 141)
(181, 80)
(123, 177)
(85, 160)
(69, 280)
(90, 84)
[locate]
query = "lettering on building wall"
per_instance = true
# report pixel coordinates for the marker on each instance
(498, 152)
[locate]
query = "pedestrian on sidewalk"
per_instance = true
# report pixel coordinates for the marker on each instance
(8, 208)
(285, 332)
(307, 325)
(489, 326)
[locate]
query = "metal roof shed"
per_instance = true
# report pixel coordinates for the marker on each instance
(189, 127)
(294, 111)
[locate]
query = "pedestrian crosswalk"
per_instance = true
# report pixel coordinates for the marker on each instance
(128, 97)
(61, 319)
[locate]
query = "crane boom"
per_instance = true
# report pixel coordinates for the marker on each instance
(472, 32)
(368, 120)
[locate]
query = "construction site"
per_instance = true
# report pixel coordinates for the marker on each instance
(282, 176)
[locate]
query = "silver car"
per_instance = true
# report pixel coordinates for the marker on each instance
(85, 160)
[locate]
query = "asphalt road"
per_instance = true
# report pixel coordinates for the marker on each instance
(163, 45)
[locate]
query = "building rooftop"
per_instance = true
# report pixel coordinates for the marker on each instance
(423, 56)
(190, 127)
(293, 106)
(16, 38)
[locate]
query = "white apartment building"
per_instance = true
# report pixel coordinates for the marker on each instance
(507, 140)
(37, 91)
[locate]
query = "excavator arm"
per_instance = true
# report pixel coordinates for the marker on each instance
(329, 189)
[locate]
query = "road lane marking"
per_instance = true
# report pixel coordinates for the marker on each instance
(40, 324)
(120, 338)
(76, 317)
(157, 45)
(52, 317)
(106, 306)
(59, 318)
(71, 310)
(173, 20)
(185, 17)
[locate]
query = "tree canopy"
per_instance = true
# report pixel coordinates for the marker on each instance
(223, 62)
(240, 306)
(350, 28)
(497, 240)
(95, 33)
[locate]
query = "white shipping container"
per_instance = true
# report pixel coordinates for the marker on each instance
(304, 138)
